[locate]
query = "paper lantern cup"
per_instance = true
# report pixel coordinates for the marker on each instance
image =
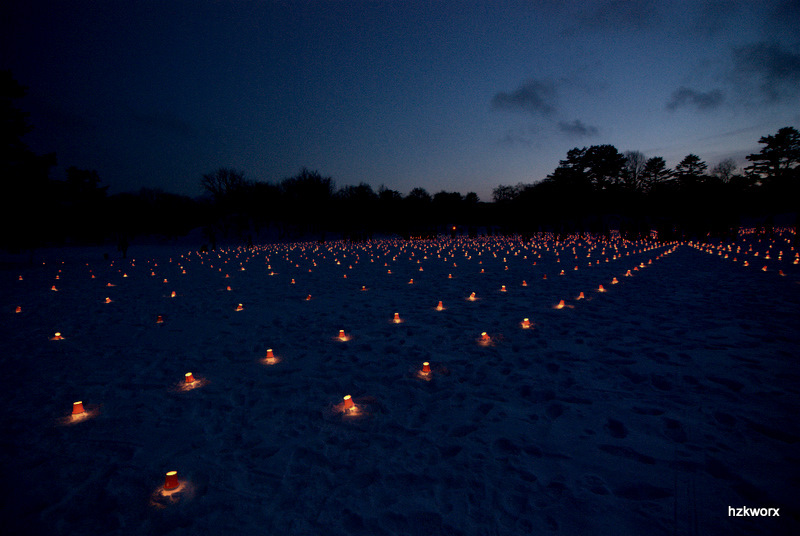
(171, 480)
(348, 403)
(189, 378)
(426, 368)
(77, 408)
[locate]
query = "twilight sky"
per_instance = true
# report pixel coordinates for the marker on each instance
(446, 95)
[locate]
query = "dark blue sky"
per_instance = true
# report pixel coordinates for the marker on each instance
(446, 95)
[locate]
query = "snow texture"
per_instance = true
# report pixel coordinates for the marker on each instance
(647, 409)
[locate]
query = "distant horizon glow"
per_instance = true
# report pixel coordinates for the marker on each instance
(450, 96)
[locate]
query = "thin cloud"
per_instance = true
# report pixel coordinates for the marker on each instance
(684, 96)
(774, 68)
(534, 97)
(577, 128)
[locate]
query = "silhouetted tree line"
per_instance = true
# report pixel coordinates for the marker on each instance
(594, 189)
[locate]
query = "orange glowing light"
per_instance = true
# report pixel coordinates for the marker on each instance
(53, 288)
(410, 281)
(173, 294)
(614, 281)
(171, 480)
(524, 283)
(560, 305)
(19, 309)
(485, 337)
(544, 276)
(189, 378)
(440, 307)
(426, 368)
(240, 307)
(396, 319)
(502, 288)
(77, 408)
(601, 289)
(526, 324)
(292, 282)
(764, 269)
(159, 319)
(363, 288)
(270, 359)
(228, 288)
(580, 296)
(342, 336)
(348, 403)
(472, 297)
(449, 276)
(57, 336)
(308, 298)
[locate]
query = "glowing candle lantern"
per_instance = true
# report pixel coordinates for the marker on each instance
(292, 282)
(53, 288)
(342, 335)
(20, 278)
(628, 273)
(524, 283)
(472, 297)
(270, 359)
(746, 263)
(189, 378)
(410, 281)
(526, 324)
(77, 408)
(240, 307)
(485, 337)
(449, 276)
(108, 300)
(764, 269)
(426, 368)
(159, 319)
(363, 288)
(580, 296)
(614, 281)
(173, 294)
(19, 309)
(308, 298)
(780, 273)
(57, 336)
(502, 288)
(228, 288)
(544, 276)
(396, 319)
(440, 307)
(348, 403)
(601, 289)
(560, 305)
(171, 480)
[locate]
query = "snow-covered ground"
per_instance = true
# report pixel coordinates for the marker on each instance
(650, 408)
